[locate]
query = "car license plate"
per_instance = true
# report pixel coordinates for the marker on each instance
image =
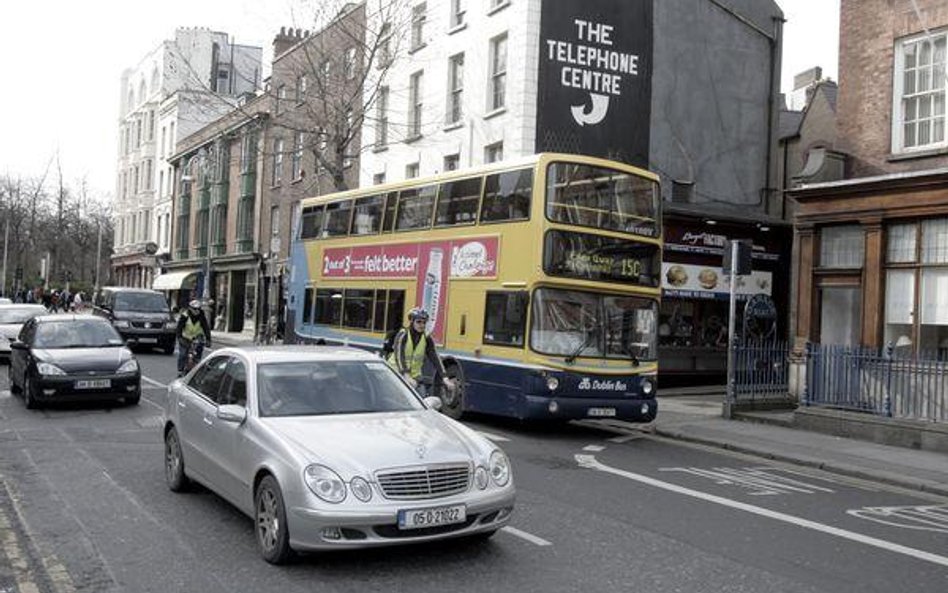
(93, 383)
(601, 412)
(147, 340)
(433, 517)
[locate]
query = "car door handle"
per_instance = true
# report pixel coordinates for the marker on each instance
(208, 421)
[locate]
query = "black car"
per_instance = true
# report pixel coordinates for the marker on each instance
(139, 315)
(60, 358)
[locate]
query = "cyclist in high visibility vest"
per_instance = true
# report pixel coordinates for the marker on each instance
(192, 325)
(412, 347)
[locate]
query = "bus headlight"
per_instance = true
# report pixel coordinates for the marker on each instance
(552, 383)
(647, 386)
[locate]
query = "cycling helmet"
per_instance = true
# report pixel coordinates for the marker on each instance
(417, 313)
(195, 304)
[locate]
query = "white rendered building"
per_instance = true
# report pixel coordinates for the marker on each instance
(174, 90)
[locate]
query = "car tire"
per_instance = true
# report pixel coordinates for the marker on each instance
(453, 403)
(175, 477)
(29, 394)
(273, 537)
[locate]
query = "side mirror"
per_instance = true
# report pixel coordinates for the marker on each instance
(18, 345)
(433, 402)
(235, 414)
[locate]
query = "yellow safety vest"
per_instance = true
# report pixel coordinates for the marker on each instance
(414, 355)
(192, 328)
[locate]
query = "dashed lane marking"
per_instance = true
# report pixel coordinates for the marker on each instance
(153, 382)
(919, 517)
(526, 536)
(590, 462)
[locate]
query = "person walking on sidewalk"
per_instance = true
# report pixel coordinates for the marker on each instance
(411, 347)
(192, 325)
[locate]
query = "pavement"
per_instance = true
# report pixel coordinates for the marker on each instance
(695, 416)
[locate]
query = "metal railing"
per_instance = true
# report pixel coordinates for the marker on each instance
(884, 382)
(761, 371)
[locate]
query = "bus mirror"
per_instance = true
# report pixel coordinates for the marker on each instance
(517, 306)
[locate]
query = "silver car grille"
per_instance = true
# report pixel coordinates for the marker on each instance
(424, 482)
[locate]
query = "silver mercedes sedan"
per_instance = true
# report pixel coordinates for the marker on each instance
(328, 448)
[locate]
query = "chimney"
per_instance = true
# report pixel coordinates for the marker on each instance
(285, 39)
(807, 77)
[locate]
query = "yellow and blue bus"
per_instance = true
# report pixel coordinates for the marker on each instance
(541, 277)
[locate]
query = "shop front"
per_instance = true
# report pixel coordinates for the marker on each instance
(693, 319)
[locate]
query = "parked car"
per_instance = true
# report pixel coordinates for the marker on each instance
(12, 318)
(5, 301)
(139, 315)
(60, 358)
(329, 448)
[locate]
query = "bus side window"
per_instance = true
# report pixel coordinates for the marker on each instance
(367, 219)
(505, 318)
(458, 201)
(312, 222)
(388, 222)
(507, 196)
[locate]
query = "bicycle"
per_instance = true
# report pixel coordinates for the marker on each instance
(195, 352)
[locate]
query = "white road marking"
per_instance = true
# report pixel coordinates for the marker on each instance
(590, 462)
(593, 448)
(493, 437)
(760, 481)
(153, 382)
(923, 517)
(527, 536)
(151, 403)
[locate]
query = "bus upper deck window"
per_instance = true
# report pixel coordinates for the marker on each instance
(507, 196)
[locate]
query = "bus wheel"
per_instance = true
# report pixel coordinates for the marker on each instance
(453, 399)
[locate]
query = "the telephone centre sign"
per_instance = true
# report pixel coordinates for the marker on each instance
(594, 94)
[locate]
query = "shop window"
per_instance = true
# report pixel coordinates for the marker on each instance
(901, 243)
(933, 330)
(505, 318)
(842, 247)
(840, 314)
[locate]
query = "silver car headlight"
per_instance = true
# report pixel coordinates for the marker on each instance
(46, 368)
(129, 366)
(360, 489)
(325, 483)
(120, 323)
(481, 478)
(499, 468)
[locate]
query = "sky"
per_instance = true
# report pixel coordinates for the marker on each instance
(63, 60)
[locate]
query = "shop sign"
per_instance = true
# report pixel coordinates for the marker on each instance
(760, 318)
(708, 282)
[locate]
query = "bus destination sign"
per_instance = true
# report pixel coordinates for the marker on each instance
(592, 257)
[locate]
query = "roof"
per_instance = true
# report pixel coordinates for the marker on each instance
(788, 124)
(61, 317)
(298, 353)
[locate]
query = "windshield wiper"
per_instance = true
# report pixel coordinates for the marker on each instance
(587, 341)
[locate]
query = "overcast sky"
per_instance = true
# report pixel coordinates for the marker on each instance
(63, 59)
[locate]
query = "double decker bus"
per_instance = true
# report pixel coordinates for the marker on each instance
(541, 277)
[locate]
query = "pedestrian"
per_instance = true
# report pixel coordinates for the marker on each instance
(411, 347)
(192, 325)
(77, 302)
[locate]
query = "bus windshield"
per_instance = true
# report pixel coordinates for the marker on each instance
(596, 197)
(574, 323)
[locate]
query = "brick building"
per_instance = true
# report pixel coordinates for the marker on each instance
(873, 248)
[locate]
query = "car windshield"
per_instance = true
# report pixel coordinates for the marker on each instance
(145, 302)
(574, 323)
(76, 333)
(20, 315)
(316, 388)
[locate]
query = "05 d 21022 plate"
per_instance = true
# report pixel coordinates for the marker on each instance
(431, 517)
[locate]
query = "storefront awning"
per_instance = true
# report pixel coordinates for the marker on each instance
(173, 280)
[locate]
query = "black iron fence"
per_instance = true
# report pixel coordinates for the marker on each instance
(761, 372)
(883, 381)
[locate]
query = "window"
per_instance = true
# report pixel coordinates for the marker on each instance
(308, 306)
(411, 170)
(498, 72)
(312, 225)
(234, 389)
(458, 202)
(388, 223)
(247, 142)
(328, 306)
(300, 88)
(919, 112)
(385, 46)
(452, 162)
(338, 215)
(296, 163)
(367, 218)
(507, 196)
(357, 309)
(350, 64)
(281, 97)
(381, 116)
(415, 206)
(455, 89)
(457, 13)
(389, 310)
(324, 70)
(414, 105)
(207, 380)
(494, 152)
(505, 318)
(378, 179)
(418, 26)
(494, 4)
(842, 247)
(151, 125)
(275, 221)
(350, 122)
(277, 173)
